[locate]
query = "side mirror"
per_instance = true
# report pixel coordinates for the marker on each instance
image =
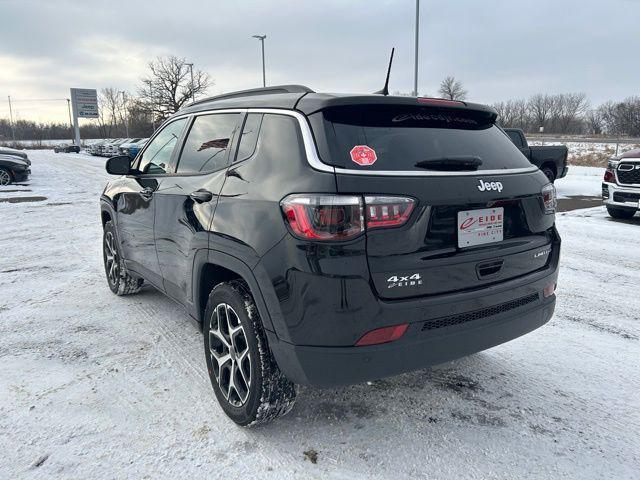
(120, 165)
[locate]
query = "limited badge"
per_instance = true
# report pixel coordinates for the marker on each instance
(363, 155)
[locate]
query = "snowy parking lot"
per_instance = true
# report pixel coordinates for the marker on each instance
(98, 386)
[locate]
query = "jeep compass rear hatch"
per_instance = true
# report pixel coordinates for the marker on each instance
(449, 203)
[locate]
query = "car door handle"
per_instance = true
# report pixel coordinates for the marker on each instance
(201, 196)
(147, 192)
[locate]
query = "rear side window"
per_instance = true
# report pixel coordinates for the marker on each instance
(249, 137)
(515, 138)
(207, 146)
(396, 138)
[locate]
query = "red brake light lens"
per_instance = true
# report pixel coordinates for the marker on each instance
(342, 217)
(324, 217)
(439, 101)
(387, 211)
(382, 335)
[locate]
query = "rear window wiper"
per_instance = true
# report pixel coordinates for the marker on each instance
(451, 164)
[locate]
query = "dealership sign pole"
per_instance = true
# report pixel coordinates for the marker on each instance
(84, 104)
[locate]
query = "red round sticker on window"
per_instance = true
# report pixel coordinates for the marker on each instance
(363, 155)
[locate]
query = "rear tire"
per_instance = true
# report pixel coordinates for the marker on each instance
(551, 175)
(245, 378)
(118, 277)
(5, 177)
(621, 213)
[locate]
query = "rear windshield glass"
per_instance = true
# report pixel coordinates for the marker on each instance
(399, 137)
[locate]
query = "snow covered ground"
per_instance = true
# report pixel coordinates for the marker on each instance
(98, 386)
(581, 181)
(591, 153)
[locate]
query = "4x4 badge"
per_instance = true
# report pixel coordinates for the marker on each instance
(404, 281)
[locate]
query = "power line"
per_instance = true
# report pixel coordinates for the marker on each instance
(39, 100)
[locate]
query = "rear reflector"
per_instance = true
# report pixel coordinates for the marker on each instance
(548, 290)
(382, 335)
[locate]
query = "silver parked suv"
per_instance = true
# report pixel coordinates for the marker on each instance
(621, 185)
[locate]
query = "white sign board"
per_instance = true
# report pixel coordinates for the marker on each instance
(85, 102)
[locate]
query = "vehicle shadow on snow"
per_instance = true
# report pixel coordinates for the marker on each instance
(475, 391)
(631, 221)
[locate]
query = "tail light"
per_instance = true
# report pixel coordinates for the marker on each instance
(324, 217)
(343, 217)
(549, 198)
(387, 211)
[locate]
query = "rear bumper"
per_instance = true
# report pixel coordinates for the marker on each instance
(332, 366)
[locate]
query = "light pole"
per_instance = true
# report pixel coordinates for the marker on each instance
(193, 93)
(152, 103)
(13, 132)
(261, 38)
(70, 122)
(415, 71)
(124, 106)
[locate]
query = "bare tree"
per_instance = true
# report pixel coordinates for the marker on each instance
(594, 121)
(505, 114)
(622, 118)
(541, 108)
(513, 114)
(522, 118)
(168, 86)
(452, 89)
(110, 107)
(569, 108)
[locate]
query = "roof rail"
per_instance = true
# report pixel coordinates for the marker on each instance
(256, 91)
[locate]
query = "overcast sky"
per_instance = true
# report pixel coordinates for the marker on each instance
(499, 49)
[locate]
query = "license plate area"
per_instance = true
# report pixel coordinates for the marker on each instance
(479, 227)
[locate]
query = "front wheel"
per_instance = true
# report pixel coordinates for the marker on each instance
(121, 282)
(246, 380)
(621, 213)
(5, 177)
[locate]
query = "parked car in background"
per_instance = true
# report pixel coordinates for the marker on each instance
(551, 159)
(66, 149)
(100, 146)
(123, 148)
(621, 185)
(136, 147)
(106, 147)
(97, 147)
(16, 153)
(13, 168)
(92, 149)
(112, 149)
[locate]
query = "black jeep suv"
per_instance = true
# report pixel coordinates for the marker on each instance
(330, 239)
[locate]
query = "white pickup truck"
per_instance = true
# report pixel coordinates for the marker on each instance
(621, 185)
